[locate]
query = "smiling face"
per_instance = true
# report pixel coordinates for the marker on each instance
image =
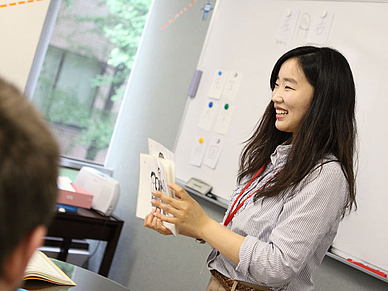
(292, 96)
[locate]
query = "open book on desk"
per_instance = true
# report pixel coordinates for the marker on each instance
(40, 267)
(157, 169)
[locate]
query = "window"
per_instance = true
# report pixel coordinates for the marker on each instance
(85, 72)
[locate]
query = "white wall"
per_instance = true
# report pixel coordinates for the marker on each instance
(20, 28)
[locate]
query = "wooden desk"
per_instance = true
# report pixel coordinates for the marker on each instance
(87, 224)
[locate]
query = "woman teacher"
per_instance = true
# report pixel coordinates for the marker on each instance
(295, 182)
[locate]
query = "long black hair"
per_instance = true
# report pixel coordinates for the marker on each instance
(328, 127)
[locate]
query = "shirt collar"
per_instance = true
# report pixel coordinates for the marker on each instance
(278, 158)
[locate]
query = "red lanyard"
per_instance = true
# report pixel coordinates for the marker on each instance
(231, 214)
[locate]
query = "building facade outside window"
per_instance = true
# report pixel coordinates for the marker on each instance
(85, 72)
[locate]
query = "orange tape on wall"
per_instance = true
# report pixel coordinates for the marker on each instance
(179, 14)
(13, 3)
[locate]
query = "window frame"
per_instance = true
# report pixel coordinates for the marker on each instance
(33, 76)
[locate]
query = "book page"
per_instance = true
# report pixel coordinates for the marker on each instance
(40, 267)
(157, 150)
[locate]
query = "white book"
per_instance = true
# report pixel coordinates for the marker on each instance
(154, 174)
(64, 183)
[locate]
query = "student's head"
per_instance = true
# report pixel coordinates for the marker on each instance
(28, 188)
(323, 95)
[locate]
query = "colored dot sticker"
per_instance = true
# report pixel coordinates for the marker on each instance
(210, 104)
(219, 73)
(226, 106)
(201, 140)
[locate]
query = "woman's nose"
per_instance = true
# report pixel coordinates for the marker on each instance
(277, 96)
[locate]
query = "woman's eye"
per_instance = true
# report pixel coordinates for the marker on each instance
(289, 88)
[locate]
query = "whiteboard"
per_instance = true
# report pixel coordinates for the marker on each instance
(242, 38)
(21, 24)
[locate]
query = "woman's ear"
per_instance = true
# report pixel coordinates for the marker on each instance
(16, 262)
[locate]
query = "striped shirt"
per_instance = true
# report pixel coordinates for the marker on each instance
(285, 238)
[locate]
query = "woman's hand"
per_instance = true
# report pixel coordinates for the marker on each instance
(187, 213)
(192, 221)
(151, 221)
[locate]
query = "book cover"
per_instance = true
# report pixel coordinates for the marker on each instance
(155, 172)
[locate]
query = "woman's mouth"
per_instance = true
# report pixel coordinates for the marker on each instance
(281, 113)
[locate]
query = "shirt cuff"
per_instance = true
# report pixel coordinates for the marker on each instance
(245, 254)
